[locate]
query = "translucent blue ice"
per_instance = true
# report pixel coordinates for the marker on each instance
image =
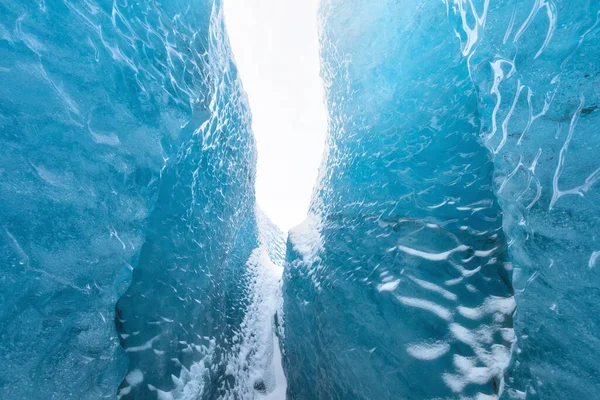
(452, 246)
(126, 147)
(536, 68)
(460, 184)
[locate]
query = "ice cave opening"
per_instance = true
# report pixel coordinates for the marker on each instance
(275, 46)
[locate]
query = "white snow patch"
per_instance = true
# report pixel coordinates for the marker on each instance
(135, 377)
(428, 351)
(190, 383)
(306, 238)
(485, 366)
(161, 394)
(502, 306)
(281, 382)
(256, 357)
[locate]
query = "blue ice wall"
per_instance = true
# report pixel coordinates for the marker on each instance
(460, 182)
(398, 284)
(536, 68)
(125, 147)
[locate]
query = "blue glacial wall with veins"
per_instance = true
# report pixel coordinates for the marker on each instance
(398, 284)
(134, 261)
(536, 67)
(451, 249)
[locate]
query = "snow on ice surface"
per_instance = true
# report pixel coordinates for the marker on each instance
(460, 184)
(127, 147)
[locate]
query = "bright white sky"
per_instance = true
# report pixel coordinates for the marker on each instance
(276, 49)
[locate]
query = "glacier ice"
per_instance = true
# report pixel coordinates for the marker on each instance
(127, 173)
(451, 247)
(401, 271)
(535, 65)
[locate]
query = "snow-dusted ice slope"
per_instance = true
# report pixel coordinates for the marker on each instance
(460, 185)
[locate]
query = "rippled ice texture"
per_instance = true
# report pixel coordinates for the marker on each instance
(126, 147)
(536, 67)
(460, 182)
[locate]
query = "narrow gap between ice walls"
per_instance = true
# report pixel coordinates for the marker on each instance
(276, 49)
(275, 45)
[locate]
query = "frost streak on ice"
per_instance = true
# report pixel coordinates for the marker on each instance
(426, 305)
(389, 286)
(593, 259)
(432, 256)
(145, 346)
(434, 288)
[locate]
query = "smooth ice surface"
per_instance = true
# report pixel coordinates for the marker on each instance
(460, 184)
(127, 171)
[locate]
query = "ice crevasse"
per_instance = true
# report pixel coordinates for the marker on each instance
(451, 249)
